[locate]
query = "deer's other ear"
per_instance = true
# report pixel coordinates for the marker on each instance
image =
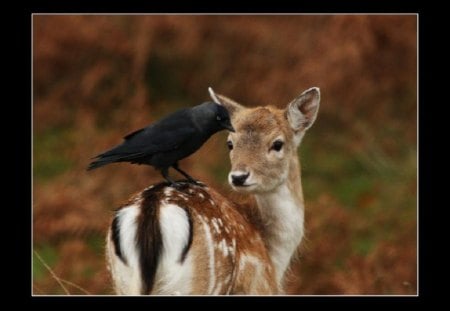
(232, 106)
(302, 111)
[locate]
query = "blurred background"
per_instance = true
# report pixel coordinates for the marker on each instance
(97, 78)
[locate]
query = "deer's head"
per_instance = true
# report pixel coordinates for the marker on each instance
(266, 139)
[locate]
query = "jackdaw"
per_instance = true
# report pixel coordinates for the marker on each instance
(165, 142)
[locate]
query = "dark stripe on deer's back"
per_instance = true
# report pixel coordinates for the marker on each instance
(115, 235)
(148, 236)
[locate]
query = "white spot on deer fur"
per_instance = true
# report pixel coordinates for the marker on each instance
(201, 195)
(127, 278)
(149, 188)
(205, 219)
(224, 247)
(212, 202)
(233, 247)
(168, 191)
(173, 277)
(220, 222)
(182, 196)
(216, 226)
(210, 247)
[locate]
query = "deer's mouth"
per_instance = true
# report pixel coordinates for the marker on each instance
(245, 187)
(249, 185)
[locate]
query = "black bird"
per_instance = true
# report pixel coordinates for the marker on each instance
(163, 143)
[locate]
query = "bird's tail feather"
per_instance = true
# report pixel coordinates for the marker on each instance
(107, 158)
(103, 161)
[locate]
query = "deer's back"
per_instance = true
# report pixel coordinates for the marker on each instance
(186, 241)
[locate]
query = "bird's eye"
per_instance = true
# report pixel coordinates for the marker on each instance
(230, 145)
(277, 145)
(218, 118)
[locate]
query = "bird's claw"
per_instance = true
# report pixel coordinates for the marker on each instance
(183, 184)
(178, 185)
(196, 182)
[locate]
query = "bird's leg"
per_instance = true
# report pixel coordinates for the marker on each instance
(189, 178)
(165, 173)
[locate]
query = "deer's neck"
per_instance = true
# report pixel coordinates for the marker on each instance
(282, 213)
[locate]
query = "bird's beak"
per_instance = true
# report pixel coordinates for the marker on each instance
(229, 127)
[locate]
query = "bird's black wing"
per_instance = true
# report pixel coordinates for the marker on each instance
(133, 133)
(162, 136)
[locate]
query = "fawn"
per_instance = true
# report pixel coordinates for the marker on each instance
(194, 241)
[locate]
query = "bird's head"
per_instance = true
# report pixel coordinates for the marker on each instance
(213, 116)
(223, 118)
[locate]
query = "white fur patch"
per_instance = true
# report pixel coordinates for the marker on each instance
(285, 220)
(168, 191)
(173, 277)
(127, 278)
(216, 225)
(224, 247)
(183, 197)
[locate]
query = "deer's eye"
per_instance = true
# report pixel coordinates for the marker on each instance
(230, 145)
(277, 145)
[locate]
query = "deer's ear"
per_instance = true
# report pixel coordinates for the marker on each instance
(232, 106)
(302, 111)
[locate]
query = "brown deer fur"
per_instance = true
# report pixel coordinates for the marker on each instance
(193, 240)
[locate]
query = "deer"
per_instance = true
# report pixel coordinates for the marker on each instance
(192, 240)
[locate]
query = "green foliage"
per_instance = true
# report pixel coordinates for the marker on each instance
(50, 153)
(49, 255)
(88, 272)
(363, 245)
(96, 243)
(350, 189)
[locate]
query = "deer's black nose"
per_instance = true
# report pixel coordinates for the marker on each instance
(239, 180)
